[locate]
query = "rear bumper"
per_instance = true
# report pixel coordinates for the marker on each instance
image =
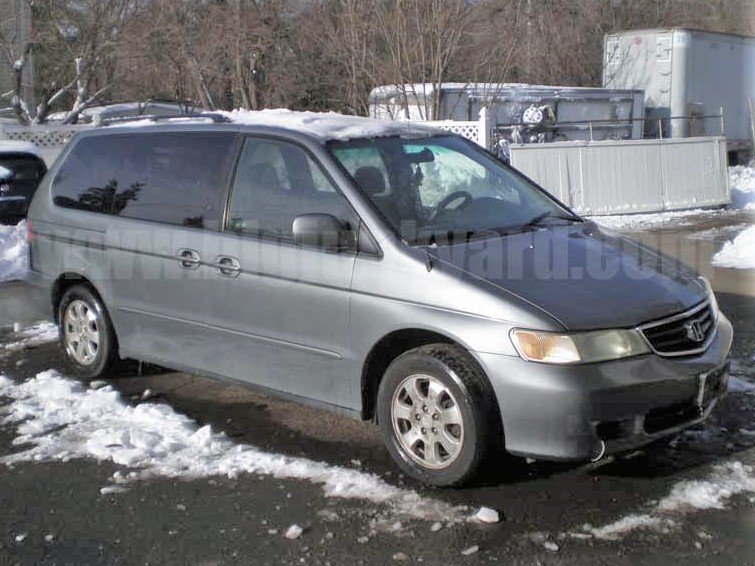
(578, 412)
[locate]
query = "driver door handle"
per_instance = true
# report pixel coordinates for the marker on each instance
(227, 266)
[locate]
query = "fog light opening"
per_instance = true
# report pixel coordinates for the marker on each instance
(599, 452)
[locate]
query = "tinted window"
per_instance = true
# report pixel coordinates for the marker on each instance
(175, 178)
(275, 182)
(23, 167)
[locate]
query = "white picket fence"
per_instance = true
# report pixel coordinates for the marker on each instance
(479, 131)
(50, 139)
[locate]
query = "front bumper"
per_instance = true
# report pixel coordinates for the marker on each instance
(579, 412)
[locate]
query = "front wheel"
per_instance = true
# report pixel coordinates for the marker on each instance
(86, 333)
(438, 415)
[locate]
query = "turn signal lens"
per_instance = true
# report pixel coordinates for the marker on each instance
(545, 347)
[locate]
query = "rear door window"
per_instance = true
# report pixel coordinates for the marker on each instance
(173, 177)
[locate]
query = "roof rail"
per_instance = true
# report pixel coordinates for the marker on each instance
(216, 117)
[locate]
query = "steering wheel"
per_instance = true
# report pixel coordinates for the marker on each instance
(454, 196)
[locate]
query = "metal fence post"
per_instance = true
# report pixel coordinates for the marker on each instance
(485, 127)
(721, 113)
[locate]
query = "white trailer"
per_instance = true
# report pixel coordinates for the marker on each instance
(530, 113)
(688, 77)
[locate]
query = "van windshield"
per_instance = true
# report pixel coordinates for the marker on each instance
(443, 189)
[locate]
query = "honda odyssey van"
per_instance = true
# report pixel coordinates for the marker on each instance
(384, 270)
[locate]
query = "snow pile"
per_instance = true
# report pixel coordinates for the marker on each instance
(648, 221)
(13, 252)
(39, 333)
(742, 185)
(624, 526)
(725, 481)
(58, 419)
(738, 253)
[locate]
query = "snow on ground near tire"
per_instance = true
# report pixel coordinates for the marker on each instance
(738, 253)
(61, 420)
(13, 252)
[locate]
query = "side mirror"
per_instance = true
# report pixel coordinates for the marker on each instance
(322, 231)
(5, 174)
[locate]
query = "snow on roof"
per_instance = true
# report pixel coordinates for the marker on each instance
(8, 146)
(327, 125)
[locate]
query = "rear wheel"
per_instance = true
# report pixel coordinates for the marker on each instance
(86, 333)
(437, 413)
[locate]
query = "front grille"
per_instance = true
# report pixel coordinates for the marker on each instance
(684, 334)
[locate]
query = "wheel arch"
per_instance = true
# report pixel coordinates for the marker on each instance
(64, 282)
(388, 348)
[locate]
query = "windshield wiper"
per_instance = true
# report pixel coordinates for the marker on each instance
(537, 221)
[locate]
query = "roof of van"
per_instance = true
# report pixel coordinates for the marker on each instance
(9, 146)
(325, 126)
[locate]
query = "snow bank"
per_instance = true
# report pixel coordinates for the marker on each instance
(13, 252)
(57, 419)
(742, 185)
(648, 221)
(738, 253)
(724, 482)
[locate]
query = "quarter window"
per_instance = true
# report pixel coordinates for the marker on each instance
(174, 178)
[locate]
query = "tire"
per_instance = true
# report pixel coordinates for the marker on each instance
(437, 397)
(86, 333)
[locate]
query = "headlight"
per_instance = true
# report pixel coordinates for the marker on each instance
(578, 347)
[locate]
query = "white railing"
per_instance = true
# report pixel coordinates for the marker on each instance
(50, 139)
(479, 131)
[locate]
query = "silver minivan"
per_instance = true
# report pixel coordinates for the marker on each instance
(383, 270)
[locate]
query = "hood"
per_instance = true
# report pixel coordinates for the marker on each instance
(582, 275)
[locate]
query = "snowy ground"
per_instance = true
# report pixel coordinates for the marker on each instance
(57, 419)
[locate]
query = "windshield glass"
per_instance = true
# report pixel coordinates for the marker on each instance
(443, 189)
